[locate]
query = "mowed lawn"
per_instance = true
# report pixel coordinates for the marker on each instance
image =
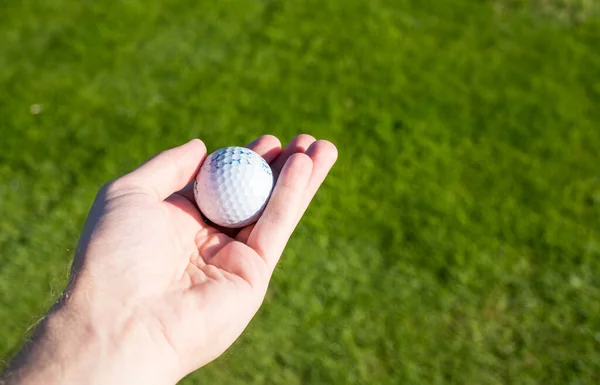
(457, 240)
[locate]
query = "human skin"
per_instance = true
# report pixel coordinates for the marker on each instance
(155, 292)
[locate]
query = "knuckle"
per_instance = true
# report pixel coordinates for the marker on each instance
(116, 188)
(111, 188)
(275, 217)
(174, 163)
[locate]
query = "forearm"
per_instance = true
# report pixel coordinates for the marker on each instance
(71, 345)
(59, 351)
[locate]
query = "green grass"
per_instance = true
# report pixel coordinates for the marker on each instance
(458, 238)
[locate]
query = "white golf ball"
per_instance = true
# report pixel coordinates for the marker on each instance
(233, 186)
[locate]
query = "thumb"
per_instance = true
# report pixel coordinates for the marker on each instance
(167, 172)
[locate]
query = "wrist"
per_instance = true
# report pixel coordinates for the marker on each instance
(83, 340)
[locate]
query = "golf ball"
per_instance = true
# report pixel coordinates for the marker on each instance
(233, 186)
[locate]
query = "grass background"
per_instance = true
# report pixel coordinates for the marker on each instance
(458, 238)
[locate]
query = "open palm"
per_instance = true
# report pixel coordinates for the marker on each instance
(192, 287)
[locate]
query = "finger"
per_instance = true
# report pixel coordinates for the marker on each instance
(323, 154)
(268, 142)
(299, 144)
(267, 146)
(276, 224)
(244, 233)
(165, 173)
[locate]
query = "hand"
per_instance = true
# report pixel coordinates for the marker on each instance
(162, 292)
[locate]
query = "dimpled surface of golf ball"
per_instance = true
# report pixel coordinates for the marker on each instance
(233, 186)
